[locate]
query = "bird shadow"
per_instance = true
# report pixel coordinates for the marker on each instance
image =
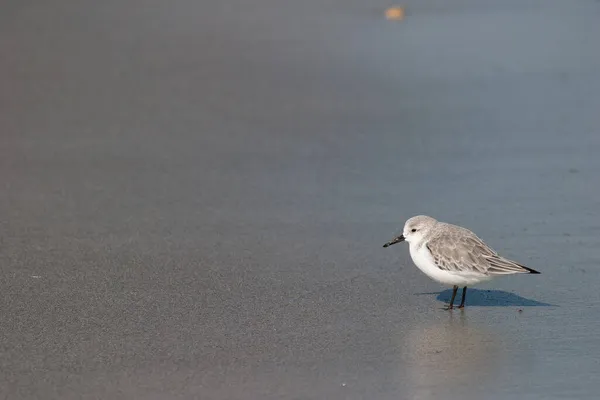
(489, 298)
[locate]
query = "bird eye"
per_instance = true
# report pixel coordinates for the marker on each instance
(413, 230)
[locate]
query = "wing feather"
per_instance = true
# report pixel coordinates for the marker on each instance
(460, 250)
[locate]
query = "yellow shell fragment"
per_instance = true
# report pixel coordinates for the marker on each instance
(395, 13)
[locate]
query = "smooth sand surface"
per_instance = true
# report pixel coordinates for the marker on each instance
(194, 196)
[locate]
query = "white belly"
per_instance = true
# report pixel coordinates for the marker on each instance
(424, 261)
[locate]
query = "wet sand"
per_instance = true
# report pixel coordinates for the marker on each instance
(195, 196)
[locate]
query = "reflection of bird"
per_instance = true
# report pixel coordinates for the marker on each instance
(443, 358)
(452, 255)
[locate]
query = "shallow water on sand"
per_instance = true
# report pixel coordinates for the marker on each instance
(195, 197)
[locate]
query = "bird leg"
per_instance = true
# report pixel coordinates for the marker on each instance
(462, 303)
(454, 290)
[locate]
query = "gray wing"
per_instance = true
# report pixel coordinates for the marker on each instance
(463, 251)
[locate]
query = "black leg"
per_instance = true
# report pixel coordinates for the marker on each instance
(462, 303)
(454, 290)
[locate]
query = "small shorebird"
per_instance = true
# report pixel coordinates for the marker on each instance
(453, 255)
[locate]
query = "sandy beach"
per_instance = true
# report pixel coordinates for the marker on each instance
(195, 195)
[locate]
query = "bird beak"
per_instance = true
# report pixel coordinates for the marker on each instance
(395, 240)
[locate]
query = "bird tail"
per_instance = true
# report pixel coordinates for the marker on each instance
(529, 270)
(502, 266)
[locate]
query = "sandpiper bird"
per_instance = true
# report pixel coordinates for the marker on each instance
(453, 255)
